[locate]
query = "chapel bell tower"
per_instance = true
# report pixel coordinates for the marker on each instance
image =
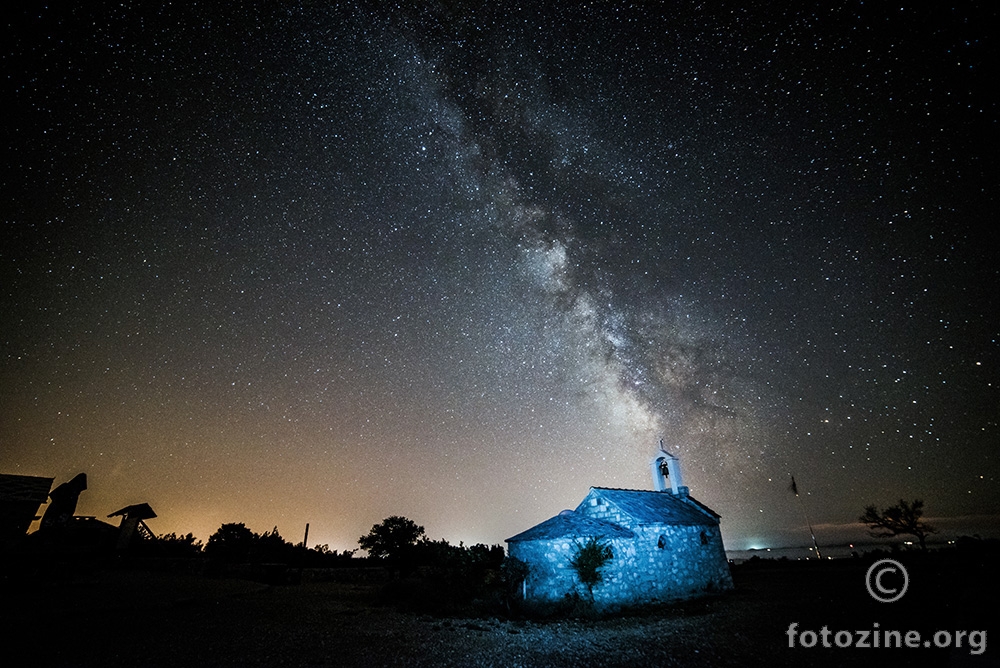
(671, 480)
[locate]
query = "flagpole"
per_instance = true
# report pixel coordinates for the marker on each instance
(795, 490)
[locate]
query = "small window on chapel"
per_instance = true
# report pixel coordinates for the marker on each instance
(661, 542)
(704, 538)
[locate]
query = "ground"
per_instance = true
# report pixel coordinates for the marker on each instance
(127, 617)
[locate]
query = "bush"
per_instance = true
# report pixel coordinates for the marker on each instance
(230, 544)
(588, 561)
(174, 546)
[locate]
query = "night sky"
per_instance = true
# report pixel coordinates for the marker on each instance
(279, 263)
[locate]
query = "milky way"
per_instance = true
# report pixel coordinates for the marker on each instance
(308, 262)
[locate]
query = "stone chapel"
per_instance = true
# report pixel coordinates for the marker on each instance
(664, 544)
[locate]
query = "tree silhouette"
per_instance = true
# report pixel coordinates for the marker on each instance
(231, 543)
(899, 520)
(393, 542)
(588, 561)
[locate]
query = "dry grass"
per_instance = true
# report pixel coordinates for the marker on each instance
(129, 618)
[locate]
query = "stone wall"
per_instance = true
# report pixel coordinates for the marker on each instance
(552, 577)
(674, 562)
(661, 563)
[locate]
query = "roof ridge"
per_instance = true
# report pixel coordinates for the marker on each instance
(665, 492)
(687, 501)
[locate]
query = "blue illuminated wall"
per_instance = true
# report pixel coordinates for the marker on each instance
(664, 547)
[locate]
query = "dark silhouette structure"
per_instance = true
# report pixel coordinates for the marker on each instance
(132, 524)
(63, 532)
(20, 498)
(64, 499)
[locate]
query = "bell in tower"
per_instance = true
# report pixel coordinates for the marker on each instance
(666, 470)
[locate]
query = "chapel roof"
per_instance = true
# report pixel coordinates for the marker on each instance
(647, 507)
(572, 523)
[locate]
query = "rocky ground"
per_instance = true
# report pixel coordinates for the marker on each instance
(135, 618)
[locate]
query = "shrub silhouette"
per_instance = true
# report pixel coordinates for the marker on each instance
(588, 561)
(236, 544)
(172, 545)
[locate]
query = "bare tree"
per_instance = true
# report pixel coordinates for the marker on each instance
(899, 520)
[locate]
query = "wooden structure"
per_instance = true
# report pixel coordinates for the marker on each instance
(132, 523)
(20, 498)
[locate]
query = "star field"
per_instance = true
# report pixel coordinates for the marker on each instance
(327, 262)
